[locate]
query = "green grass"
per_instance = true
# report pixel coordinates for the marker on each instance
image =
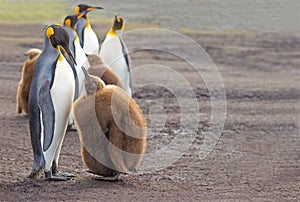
(53, 11)
(12, 11)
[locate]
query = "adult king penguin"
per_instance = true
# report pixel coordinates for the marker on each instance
(114, 53)
(87, 36)
(80, 58)
(50, 101)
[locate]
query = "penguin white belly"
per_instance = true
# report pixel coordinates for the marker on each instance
(112, 54)
(81, 60)
(90, 41)
(121, 69)
(62, 93)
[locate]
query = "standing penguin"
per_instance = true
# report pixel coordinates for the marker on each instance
(111, 127)
(80, 58)
(50, 101)
(87, 36)
(25, 82)
(114, 53)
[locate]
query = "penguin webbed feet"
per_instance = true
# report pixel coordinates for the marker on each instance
(57, 173)
(50, 177)
(108, 179)
(115, 176)
(72, 127)
(64, 174)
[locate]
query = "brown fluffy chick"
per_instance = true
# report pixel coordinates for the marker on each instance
(25, 82)
(100, 69)
(112, 129)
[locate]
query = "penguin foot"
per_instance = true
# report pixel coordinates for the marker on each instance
(72, 127)
(89, 171)
(133, 170)
(107, 179)
(57, 173)
(50, 177)
(63, 174)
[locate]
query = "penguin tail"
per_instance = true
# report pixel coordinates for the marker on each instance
(36, 173)
(37, 169)
(19, 108)
(19, 100)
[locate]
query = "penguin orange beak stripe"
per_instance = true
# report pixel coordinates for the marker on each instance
(67, 50)
(91, 9)
(94, 8)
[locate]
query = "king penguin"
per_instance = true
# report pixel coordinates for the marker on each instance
(87, 36)
(114, 53)
(50, 101)
(80, 58)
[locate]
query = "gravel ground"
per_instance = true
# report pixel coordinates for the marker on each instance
(256, 157)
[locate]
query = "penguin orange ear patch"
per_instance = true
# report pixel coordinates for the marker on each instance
(68, 22)
(77, 10)
(49, 32)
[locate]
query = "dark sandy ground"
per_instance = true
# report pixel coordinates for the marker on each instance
(257, 157)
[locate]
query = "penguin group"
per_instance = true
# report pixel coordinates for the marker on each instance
(75, 81)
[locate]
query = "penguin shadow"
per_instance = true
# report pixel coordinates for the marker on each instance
(21, 120)
(38, 186)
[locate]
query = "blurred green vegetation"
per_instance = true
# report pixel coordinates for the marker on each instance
(32, 11)
(54, 11)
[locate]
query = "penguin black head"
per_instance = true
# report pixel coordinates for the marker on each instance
(71, 20)
(118, 23)
(58, 37)
(85, 8)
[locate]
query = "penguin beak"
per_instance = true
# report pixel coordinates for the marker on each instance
(94, 8)
(86, 74)
(117, 18)
(67, 50)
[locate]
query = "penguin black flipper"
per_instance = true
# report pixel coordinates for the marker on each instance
(125, 54)
(48, 114)
(35, 128)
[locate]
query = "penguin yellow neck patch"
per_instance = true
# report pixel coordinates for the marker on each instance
(112, 32)
(87, 23)
(60, 57)
(49, 32)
